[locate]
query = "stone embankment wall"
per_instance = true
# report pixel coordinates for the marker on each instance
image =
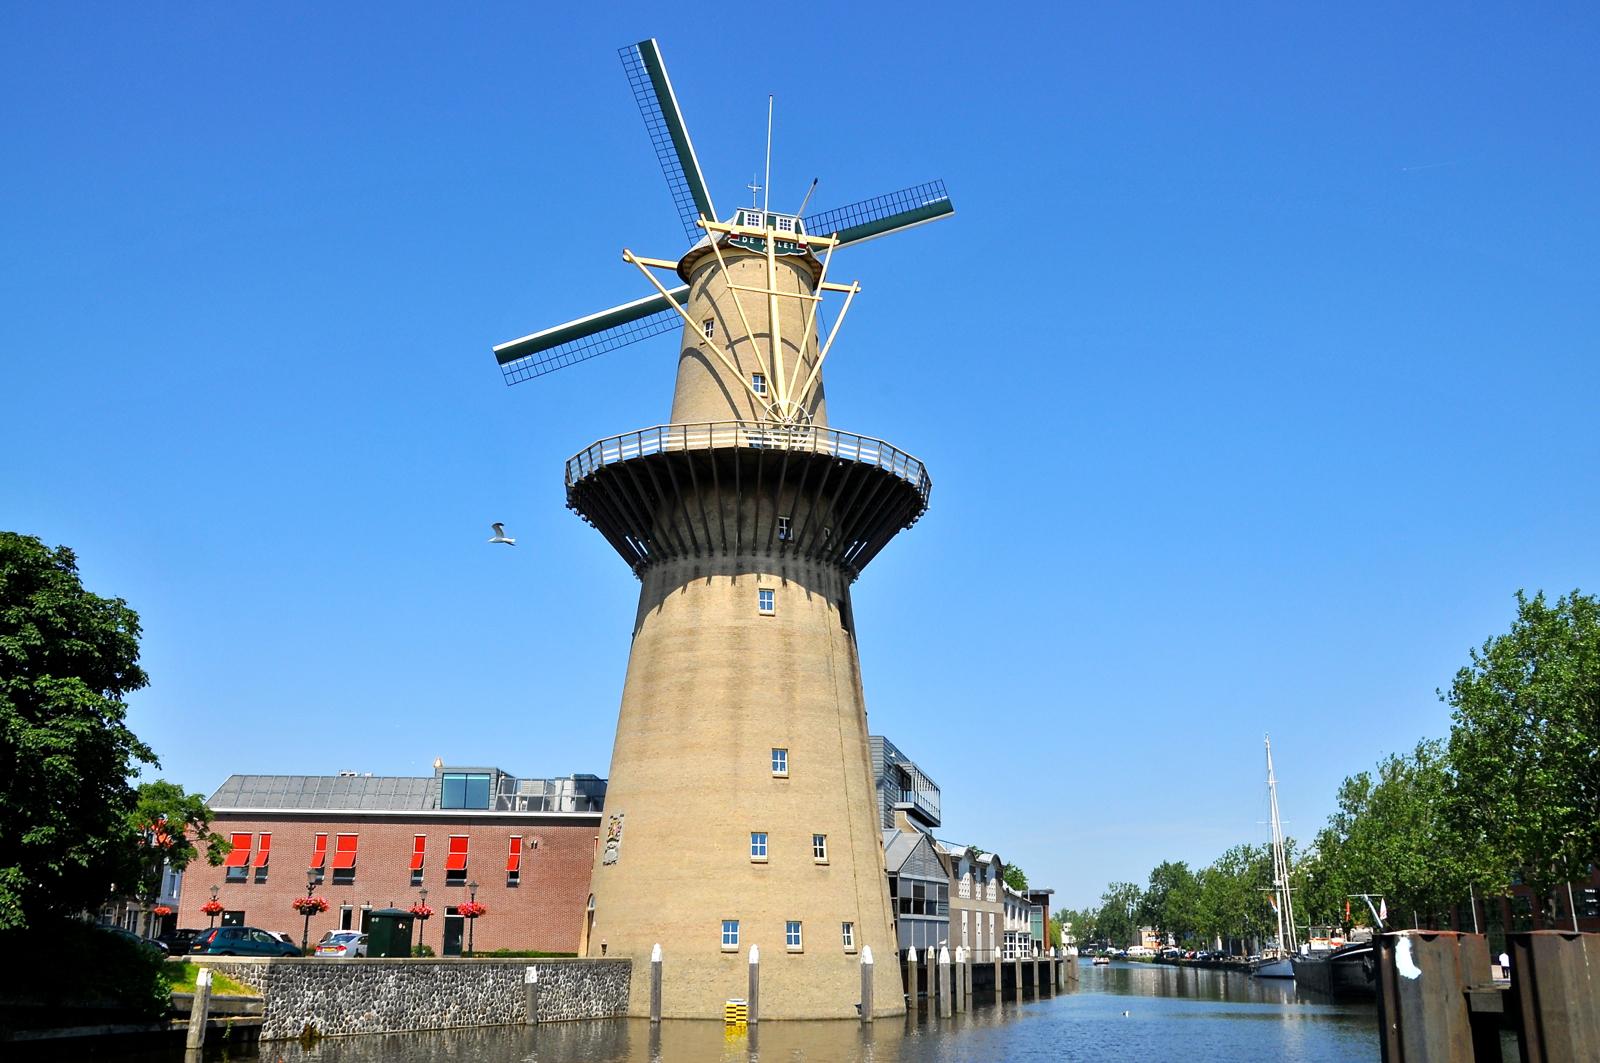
(339, 997)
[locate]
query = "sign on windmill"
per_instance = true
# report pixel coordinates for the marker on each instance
(749, 287)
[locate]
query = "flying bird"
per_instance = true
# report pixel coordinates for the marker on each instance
(500, 534)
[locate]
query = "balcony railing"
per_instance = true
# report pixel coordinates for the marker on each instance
(712, 435)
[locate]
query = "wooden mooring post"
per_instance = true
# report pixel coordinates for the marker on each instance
(961, 986)
(866, 984)
(753, 993)
(655, 983)
(530, 992)
(911, 979)
(199, 1011)
(1436, 999)
(1555, 987)
(944, 982)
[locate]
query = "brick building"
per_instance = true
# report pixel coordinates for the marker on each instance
(521, 847)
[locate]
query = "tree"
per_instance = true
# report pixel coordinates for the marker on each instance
(1525, 743)
(1016, 878)
(1233, 891)
(1118, 906)
(169, 826)
(67, 660)
(1078, 924)
(1169, 904)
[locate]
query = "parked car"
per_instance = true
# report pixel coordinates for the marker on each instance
(342, 943)
(179, 941)
(241, 941)
(285, 937)
(128, 935)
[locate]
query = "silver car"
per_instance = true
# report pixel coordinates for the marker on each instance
(344, 943)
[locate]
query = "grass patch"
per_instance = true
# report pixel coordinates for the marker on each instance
(183, 981)
(521, 954)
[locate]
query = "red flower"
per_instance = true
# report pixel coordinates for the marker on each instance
(471, 910)
(421, 911)
(161, 910)
(310, 905)
(211, 908)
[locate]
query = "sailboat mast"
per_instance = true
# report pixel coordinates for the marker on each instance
(1280, 864)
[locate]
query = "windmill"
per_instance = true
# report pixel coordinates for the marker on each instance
(741, 807)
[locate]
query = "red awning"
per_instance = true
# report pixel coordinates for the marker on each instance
(264, 851)
(239, 856)
(418, 851)
(320, 854)
(514, 861)
(457, 860)
(344, 853)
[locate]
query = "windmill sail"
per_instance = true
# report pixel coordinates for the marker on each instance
(658, 105)
(576, 341)
(884, 214)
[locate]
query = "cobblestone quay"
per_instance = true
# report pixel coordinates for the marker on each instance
(341, 997)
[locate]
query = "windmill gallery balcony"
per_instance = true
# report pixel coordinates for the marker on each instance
(747, 488)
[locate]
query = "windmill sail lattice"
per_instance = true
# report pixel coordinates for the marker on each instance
(658, 106)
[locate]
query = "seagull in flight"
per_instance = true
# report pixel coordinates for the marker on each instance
(500, 534)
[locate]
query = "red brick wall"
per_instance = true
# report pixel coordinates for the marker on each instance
(544, 912)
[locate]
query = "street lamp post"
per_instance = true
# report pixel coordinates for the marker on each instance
(311, 886)
(214, 891)
(422, 924)
(472, 896)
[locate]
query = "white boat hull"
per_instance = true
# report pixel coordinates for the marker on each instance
(1280, 968)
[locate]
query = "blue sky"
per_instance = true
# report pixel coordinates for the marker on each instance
(1255, 373)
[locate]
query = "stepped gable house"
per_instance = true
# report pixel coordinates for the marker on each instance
(521, 847)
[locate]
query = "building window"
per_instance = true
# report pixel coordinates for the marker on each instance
(344, 858)
(785, 225)
(780, 762)
(263, 851)
(819, 848)
(758, 845)
(791, 935)
(463, 790)
(346, 916)
(758, 383)
(514, 862)
(708, 328)
(730, 934)
(785, 534)
(455, 861)
(848, 933)
(767, 601)
(237, 862)
(419, 850)
(753, 217)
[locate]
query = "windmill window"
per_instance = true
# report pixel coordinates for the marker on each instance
(848, 933)
(752, 217)
(791, 935)
(709, 327)
(758, 383)
(786, 225)
(780, 762)
(784, 531)
(819, 848)
(730, 934)
(758, 845)
(767, 601)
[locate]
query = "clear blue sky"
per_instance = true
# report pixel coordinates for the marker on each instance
(1256, 372)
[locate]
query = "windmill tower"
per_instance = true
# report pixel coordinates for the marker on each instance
(740, 808)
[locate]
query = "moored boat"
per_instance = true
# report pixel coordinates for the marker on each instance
(1347, 971)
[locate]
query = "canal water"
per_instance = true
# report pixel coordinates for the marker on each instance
(1131, 1011)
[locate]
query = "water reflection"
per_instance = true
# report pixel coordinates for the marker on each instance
(1126, 1011)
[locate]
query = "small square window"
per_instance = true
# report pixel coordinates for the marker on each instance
(785, 533)
(758, 845)
(730, 933)
(767, 600)
(237, 874)
(416, 877)
(455, 878)
(758, 383)
(785, 225)
(791, 935)
(780, 762)
(513, 879)
(819, 848)
(708, 328)
(848, 933)
(753, 217)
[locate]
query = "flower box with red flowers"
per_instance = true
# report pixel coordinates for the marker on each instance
(211, 908)
(310, 905)
(421, 911)
(471, 910)
(161, 910)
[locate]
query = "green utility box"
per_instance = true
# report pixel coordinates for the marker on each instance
(389, 932)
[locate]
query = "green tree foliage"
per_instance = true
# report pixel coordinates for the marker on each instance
(1171, 902)
(1119, 905)
(1015, 877)
(67, 660)
(169, 826)
(1079, 923)
(1393, 835)
(1525, 743)
(1232, 903)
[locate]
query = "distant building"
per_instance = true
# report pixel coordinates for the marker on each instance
(976, 912)
(1017, 922)
(1039, 918)
(521, 847)
(902, 786)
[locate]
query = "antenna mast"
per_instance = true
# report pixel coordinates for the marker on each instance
(766, 200)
